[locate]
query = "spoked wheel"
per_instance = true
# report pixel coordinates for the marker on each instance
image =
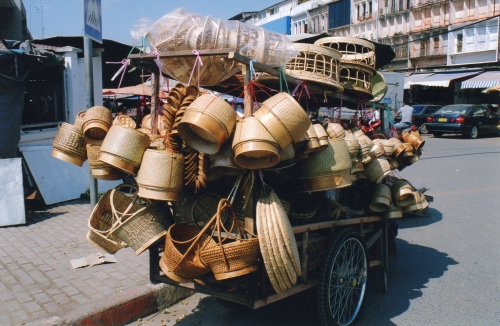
(343, 278)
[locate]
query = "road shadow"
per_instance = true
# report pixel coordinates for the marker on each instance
(411, 220)
(409, 272)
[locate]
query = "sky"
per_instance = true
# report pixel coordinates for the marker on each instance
(48, 18)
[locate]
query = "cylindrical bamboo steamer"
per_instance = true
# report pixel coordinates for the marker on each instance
(287, 158)
(313, 144)
(69, 145)
(160, 175)
(96, 124)
(99, 169)
(285, 119)
(377, 169)
(335, 130)
(381, 200)
(399, 148)
(123, 148)
(414, 139)
(327, 169)
(207, 123)
(364, 150)
(353, 145)
(80, 119)
(402, 192)
(361, 135)
(376, 150)
(124, 121)
(388, 146)
(253, 146)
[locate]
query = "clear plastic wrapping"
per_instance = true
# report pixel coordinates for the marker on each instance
(180, 30)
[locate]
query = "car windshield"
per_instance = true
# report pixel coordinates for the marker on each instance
(417, 108)
(453, 109)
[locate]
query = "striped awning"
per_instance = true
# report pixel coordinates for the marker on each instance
(443, 79)
(485, 80)
(414, 77)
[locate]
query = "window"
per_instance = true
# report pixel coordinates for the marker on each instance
(436, 44)
(460, 38)
(262, 15)
(274, 11)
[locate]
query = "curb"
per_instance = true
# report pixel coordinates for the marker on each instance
(121, 308)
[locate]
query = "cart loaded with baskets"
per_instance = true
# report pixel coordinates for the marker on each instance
(255, 208)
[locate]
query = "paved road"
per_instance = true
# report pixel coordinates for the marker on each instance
(447, 270)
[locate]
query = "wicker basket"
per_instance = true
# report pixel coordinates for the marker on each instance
(69, 145)
(124, 121)
(207, 123)
(80, 119)
(123, 148)
(313, 144)
(101, 170)
(222, 162)
(254, 147)
(161, 175)
(145, 227)
(104, 217)
(402, 193)
(335, 130)
(181, 261)
(284, 118)
(328, 169)
(96, 124)
(381, 200)
(414, 139)
(377, 169)
(232, 255)
(322, 135)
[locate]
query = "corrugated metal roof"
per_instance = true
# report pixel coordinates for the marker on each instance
(485, 80)
(442, 79)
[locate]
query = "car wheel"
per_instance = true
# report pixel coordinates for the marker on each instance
(423, 129)
(437, 135)
(473, 132)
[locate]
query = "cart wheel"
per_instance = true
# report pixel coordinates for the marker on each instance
(343, 278)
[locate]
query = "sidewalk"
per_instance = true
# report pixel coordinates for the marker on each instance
(38, 286)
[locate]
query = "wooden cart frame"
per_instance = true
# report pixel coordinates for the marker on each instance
(254, 290)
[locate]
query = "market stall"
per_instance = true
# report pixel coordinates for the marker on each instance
(257, 208)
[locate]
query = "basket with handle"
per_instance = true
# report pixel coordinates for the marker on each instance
(234, 254)
(104, 216)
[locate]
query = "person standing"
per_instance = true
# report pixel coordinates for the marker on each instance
(406, 113)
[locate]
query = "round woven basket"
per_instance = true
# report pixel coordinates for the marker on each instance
(175, 263)
(381, 200)
(123, 148)
(402, 192)
(322, 135)
(284, 118)
(364, 151)
(328, 169)
(96, 124)
(207, 123)
(99, 169)
(414, 139)
(124, 121)
(388, 146)
(335, 130)
(287, 158)
(145, 227)
(69, 145)
(377, 169)
(376, 151)
(313, 144)
(161, 175)
(254, 147)
(399, 148)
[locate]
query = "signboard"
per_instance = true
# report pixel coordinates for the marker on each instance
(92, 19)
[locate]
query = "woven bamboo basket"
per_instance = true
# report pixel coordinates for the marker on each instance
(80, 118)
(364, 150)
(402, 192)
(353, 49)
(313, 144)
(123, 148)
(181, 259)
(96, 124)
(287, 158)
(254, 147)
(284, 118)
(222, 162)
(69, 145)
(161, 174)
(144, 228)
(112, 206)
(377, 169)
(414, 139)
(207, 123)
(381, 200)
(399, 148)
(335, 130)
(322, 135)
(394, 212)
(376, 151)
(328, 169)
(232, 255)
(99, 169)
(124, 121)
(388, 146)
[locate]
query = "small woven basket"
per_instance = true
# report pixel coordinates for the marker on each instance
(144, 228)
(180, 261)
(124, 121)
(96, 123)
(104, 217)
(69, 145)
(99, 169)
(232, 255)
